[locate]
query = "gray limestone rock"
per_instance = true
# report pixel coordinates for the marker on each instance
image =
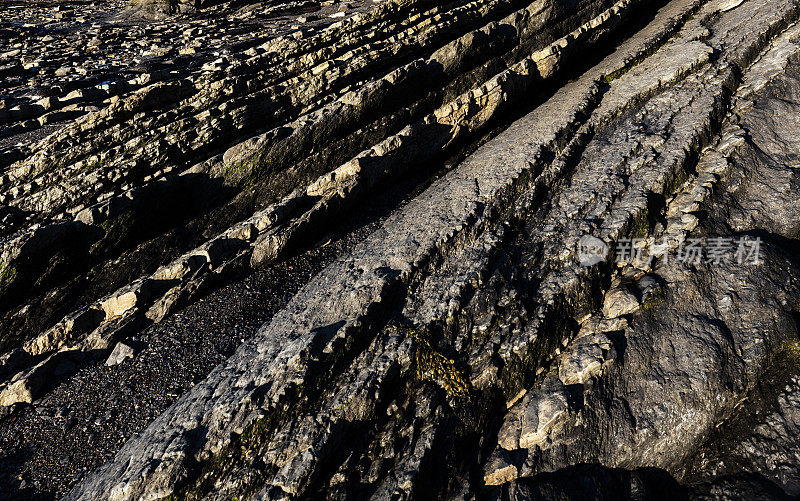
(407, 184)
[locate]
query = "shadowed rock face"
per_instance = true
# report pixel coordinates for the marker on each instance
(485, 250)
(159, 8)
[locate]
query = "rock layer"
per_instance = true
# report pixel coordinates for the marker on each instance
(465, 347)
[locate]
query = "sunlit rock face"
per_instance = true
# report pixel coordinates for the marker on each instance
(479, 250)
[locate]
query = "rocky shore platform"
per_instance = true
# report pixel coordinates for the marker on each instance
(408, 249)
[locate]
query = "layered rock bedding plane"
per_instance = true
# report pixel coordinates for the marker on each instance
(400, 249)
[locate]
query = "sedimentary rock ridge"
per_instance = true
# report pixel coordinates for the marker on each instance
(463, 347)
(115, 218)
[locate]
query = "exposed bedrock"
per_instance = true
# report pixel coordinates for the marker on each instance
(464, 347)
(316, 118)
(115, 239)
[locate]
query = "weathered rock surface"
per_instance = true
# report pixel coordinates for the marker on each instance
(462, 347)
(120, 353)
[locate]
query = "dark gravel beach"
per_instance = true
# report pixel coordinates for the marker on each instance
(82, 422)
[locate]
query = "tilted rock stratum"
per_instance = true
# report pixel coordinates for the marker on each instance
(420, 183)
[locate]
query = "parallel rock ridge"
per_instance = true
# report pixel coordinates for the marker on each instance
(587, 283)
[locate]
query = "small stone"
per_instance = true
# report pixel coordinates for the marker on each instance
(48, 103)
(121, 352)
(584, 358)
(105, 418)
(539, 416)
(726, 5)
(499, 469)
(19, 391)
(619, 301)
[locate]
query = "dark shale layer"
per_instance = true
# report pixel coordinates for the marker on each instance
(341, 250)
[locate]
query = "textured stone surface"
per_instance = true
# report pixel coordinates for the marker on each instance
(460, 347)
(119, 354)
